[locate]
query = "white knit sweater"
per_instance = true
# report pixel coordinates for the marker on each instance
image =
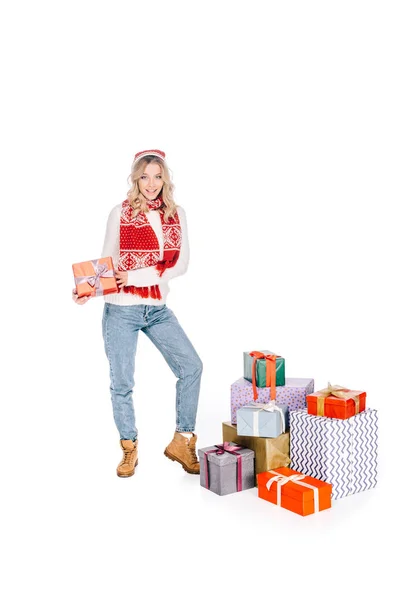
(146, 276)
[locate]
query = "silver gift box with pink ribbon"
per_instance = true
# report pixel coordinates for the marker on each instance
(226, 468)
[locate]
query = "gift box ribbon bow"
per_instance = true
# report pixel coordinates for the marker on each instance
(221, 449)
(339, 392)
(270, 366)
(100, 270)
(281, 480)
(270, 407)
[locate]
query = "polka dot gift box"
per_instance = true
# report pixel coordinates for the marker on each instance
(293, 394)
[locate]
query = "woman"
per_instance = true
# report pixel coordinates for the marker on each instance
(147, 238)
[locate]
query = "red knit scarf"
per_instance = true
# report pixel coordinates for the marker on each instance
(139, 247)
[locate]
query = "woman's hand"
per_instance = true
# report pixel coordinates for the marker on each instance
(82, 300)
(122, 278)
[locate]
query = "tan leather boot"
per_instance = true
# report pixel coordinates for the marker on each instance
(126, 467)
(184, 452)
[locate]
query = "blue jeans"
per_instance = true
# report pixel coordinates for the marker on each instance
(121, 326)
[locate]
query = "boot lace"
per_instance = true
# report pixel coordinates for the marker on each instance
(192, 451)
(128, 455)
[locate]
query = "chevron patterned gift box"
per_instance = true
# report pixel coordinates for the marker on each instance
(342, 452)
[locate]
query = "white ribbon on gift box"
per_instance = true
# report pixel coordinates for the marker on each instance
(296, 478)
(270, 407)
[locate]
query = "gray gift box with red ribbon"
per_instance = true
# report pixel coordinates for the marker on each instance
(227, 468)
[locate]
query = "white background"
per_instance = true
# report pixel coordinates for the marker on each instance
(280, 121)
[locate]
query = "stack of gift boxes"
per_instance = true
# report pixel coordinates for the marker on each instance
(329, 439)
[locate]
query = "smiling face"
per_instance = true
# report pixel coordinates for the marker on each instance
(151, 181)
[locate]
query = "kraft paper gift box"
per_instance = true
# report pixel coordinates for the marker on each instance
(294, 491)
(270, 453)
(341, 451)
(226, 468)
(95, 277)
(261, 368)
(336, 402)
(262, 420)
(293, 394)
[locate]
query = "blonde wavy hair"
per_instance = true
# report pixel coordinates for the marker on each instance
(136, 198)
